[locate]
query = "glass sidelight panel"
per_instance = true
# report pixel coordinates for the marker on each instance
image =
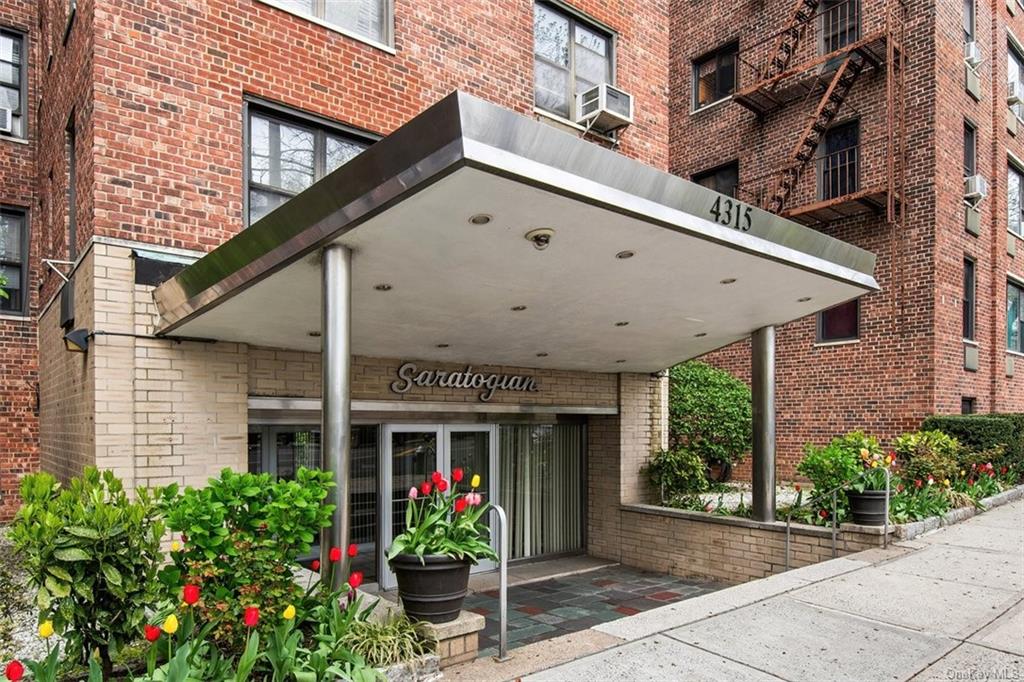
(413, 459)
(542, 488)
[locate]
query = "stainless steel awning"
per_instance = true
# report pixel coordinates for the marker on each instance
(429, 284)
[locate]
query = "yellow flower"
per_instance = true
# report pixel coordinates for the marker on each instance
(475, 482)
(175, 545)
(888, 459)
(945, 482)
(962, 472)
(170, 625)
(874, 465)
(864, 454)
(46, 629)
(289, 612)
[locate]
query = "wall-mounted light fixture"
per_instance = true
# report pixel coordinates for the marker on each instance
(77, 340)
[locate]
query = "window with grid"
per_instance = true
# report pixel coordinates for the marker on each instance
(840, 24)
(970, 150)
(840, 323)
(570, 57)
(1013, 200)
(369, 19)
(1015, 74)
(839, 172)
(1014, 317)
(715, 75)
(13, 80)
(722, 179)
(13, 257)
(287, 155)
(969, 303)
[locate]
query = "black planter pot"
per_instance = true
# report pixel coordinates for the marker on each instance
(867, 508)
(434, 590)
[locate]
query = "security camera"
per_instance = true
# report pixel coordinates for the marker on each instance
(540, 237)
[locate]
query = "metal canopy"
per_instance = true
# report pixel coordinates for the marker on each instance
(404, 206)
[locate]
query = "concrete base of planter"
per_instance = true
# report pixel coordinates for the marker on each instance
(457, 640)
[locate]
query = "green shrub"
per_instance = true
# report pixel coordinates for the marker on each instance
(709, 413)
(93, 555)
(837, 463)
(242, 535)
(1015, 448)
(380, 644)
(977, 432)
(677, 473)
(927, 453)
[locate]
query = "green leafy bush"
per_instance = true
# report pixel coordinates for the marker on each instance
(837, 463)
(677, 473)
(977, 432)
(386, 642)
(709, 413)
(242, 535)
(1014, 458)
(93, 555)
(927, 454)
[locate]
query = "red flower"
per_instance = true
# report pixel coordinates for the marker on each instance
(917, 483)
(457, 474)
(823, 513)
(251, 616)
(436, 477)
(1003, 470)
(797, 487)
(355, 579)
(190, 594)
(14, 670)
(335, 554)
(314, 565)
(460, 505)
(425, 487)
(442, 485)
(899, 488)
(151, 632)
(352, 551)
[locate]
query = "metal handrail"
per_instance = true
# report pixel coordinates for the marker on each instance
(835, 508)
(502, 584)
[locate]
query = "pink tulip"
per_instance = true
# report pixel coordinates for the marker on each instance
(413, 493)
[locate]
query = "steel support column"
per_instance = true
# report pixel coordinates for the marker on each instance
(336, 418)
(762, 373)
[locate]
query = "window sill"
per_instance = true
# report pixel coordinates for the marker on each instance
(1014, 353)
(830, 344)
(15, 140)
(971, 342)
(15, 317)
(337, 29)
(571, 124)
(1019, 237)
(712, 105)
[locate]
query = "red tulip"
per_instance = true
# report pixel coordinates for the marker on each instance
(970, 481)
(457, 474)
(355, 579)
(460, 505)
(352, 551)
(190, 594)
(797, 487)
(425, 487)
(335, 554)
(14, 670)
(917, 483)
(442, 485)
(151, 632)
(436, 477)
(315, 565)
(823, 514)
(251, 616)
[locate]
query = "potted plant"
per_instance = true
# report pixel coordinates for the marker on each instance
(443, 537)
(868, 493)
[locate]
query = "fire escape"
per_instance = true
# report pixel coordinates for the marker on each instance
(813, 63)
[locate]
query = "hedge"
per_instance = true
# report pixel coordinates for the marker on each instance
(1015, 448)
(978, 432)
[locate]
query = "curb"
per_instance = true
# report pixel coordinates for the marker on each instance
(909, 531)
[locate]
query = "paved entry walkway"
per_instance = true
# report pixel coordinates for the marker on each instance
(553, 608)
(947, 606)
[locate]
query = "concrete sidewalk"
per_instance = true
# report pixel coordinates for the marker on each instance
(947, 606)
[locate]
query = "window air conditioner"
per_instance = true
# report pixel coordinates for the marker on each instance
(1014, 92)
(6, 120)
(972, 54)
(604, 108)
(975, 187)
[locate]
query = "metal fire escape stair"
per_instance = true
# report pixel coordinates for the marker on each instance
(789, 38)
(818, 123)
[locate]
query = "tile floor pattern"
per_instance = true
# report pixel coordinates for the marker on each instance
(555, 607)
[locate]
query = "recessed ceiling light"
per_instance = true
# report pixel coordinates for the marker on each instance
(314, 334)
(382, 287)
(542, 355)
(701, 335)
(621, 324)
(442, 345)
(518, 308)
(803, 299)
(623, 255)
(480, 219)
(619, 362)
(727, 280)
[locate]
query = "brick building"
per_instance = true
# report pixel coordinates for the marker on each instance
(856, 117)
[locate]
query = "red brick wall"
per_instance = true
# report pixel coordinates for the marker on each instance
(18, 364)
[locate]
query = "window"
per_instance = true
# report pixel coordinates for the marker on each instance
(968, 405)
(287, 155)
(840, 323)
(71, 180)
(969, 305)
(970, 150)
(13, 259)
(1014, 316)
(840, 24)
(968, 20)
(722, 179)
(715, 75)
(13, 80)
(1013, 200)
(1015, 74)
(370, 19)
(838, 162)
(569, 57)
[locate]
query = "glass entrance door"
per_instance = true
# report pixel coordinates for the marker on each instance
(412, 452)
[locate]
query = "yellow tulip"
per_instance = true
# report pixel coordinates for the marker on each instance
(175, 545)
(475, 482)
(289, 612)
(945, 482)
(874, 465)
(46, 629)
(170, 625)
(962, 472)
